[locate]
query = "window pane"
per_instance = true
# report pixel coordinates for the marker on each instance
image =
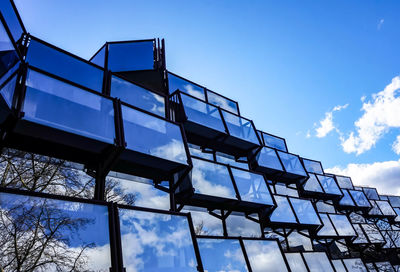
(371, 193)
(346, 199)
(274, 142)
(63, 235)
(385, 207)
(8, 55)
(327, 229)
(299, 242)
(283, 189)
(153, 136)
(375, 209)
(283, 211)
(156, 242)
(239, 225)
(361, 239)
(395, 201)
(222, 102)
(57, 104)
(296, 262)
(267, 158)
(228, 159)
(177, 83)
(240, 127)
(373, 233)
(344, 182)
(313, 166)
(354, 265)
(313, 185)
(137, 96)
(64, 65)
(229, 251)
(329, 185)
(325, 207)
(203, 222)
(339, 266)
(292, 164)
(131, 56)
(100, 56)
(317, 261)
(342, 225)
(360, 199)
(11, 19)
(305, 211)
(384, 266)
(252, 187)
(8, 91)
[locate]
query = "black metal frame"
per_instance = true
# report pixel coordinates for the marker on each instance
(337, 236)
(261, 135)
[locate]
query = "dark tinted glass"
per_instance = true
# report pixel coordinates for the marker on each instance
(305, 211)
(222, 102)
(11, 18)
(275, 142)
(313, 166)
(177, 83)
(8, 55)
(292, 164)
(240, 127)
(268, 158)
(7, 91)
(131, 56)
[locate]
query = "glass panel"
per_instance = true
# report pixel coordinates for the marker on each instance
(137, 96)
(296, 262)
(229, 250)
(240, 127)
(356, 218)
(384, 266)
(325, 207)
(397, 210)
(156, 242)
(329, 185)
(305, 211)
(344, 182)
(371, 193)
(8, 55)
(313, 185)
(202, 113)
(54, 103)
(360, 199)
(383, 197)
(327, 229)
(342, 225)
(203, 222)
(11, 19)
(212, 179)
(395, 201)
(385, 207)
(222, 102)
(373, 233)
(63, 65)
(227, 159)
(313, 166)
(7, 91)
(177, 83)
(238, 225)
(355, 265)
(375, 209)
(283, 211)
(100, 56)
(53, 235)
(131, 56)
(339, 266)
(371, 267)
(274, 142)
(361, 239)
(252, 187)
(153, 136)
(317, 261)
(264, 255)
(299, 242)
(394, 237)
(282, 189)
(292, 164)
(267, 158)
(346, 199)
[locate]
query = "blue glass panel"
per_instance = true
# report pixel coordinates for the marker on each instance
(346, 199)
(342, 225)
(313, 166)
(360, 199)
(371, 193)
(137, 96)
(375, 209)
(229, 251)
(268, 158)
(355, 265)
(313, 185)
(202, 113)
(385, 207)
(177, 83)
(131, 56)
(395, 201)
(7, 92)
(275, 142)
(153, 136)
(296, 262)
(344, 182)
(99, 58)
(240, 127)
(252, 187)
(238, 225)
(283, 212)
(227, 159)
(327, 229)
(305, 211)
(292, 163)
(222, 102)
(283, 189)
(339, 266)
(264, 255)
(299, 241)
(373, 233)
(156, 242)
(8, 55)
(54, 103)
(64, 65)
(11, 19)
(317, 261)
(203, 222)
(69, 236)
(212, 179)
(361, 238)
(329, 185)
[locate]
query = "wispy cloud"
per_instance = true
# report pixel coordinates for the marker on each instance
(326, 125)
(380, 23)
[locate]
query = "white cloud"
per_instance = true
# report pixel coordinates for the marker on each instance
(396, 145)
(380, 23)
(380, 114)
(326, 125)
(384, 176)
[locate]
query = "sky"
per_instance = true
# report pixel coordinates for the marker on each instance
(322, 74)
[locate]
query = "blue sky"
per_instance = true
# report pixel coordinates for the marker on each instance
(288, 64)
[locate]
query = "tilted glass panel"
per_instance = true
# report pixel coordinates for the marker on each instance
(8, 55)
(355, 265)
(339, 266)
(63, 65)
(344, 182)
(371, 193)
(275, 142)
(383, 197)
(342, 225)
(156, 242)
(375, 209)
(283, 189)
(384, 266)
(397, 210)
(240, 127)
(283, 211)
(329, 185)
(385, 207)
(395, 201)
(230, 252)
(360, 198)
(296, 262)
(11, 18)
(373, 233)
(346, 199)
(268, 158)
(370, 267)
(53, 235)
(325, 207)
(299, 241)
(292, 163)
(312, 184)
(264, 255)
(131, 56)
(197, 151)
(212, 179)
(222, 102)
(203, 222)
(313, 166)
(356, 218)
(361, 239)
(100, 56)
(7, 91)
(137, 96)
(227, 159)
(153, 136)
(317, 261)
(238, 225)
(201, 113)
(177, 83)
(54, 103)
(305, 211)
(252, 187)
(395, 237)
(327, 229)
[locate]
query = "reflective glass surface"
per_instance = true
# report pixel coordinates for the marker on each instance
(371, 193)
(156, 242)
(54, 103)
(238, 225)
(313, 185)
(240, 127)
(264, 255)
(384, 266)
(317, 261)
(8, 55)
(327, 229)
(385, 207)
(53, 235)
(329, 185)
(11, 18)
(395, 201)
(252, 187)
(292, 163)
(153, 136)
(63, 65)
(283, 211)
(267, 158)
(339, 266)
(203, 222)
(296, 262)
(325, 207)
(275, 142)
(137, 96)
(355, 265)
(283, 189)
(344, 182)
(222, 102)
(375, 209)
(346, 199)
(298, 241)
(99, 58)
(313, 166)
(131, 56)
(7, 91)
(342, 225)
(201, 113)
(373, 233)
(227, 159)
(212, 179)
(360, 199)
(361, 239)
(305, 211)
(229, 250)
(177, 83)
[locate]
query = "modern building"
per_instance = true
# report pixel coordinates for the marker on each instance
(117, 164)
